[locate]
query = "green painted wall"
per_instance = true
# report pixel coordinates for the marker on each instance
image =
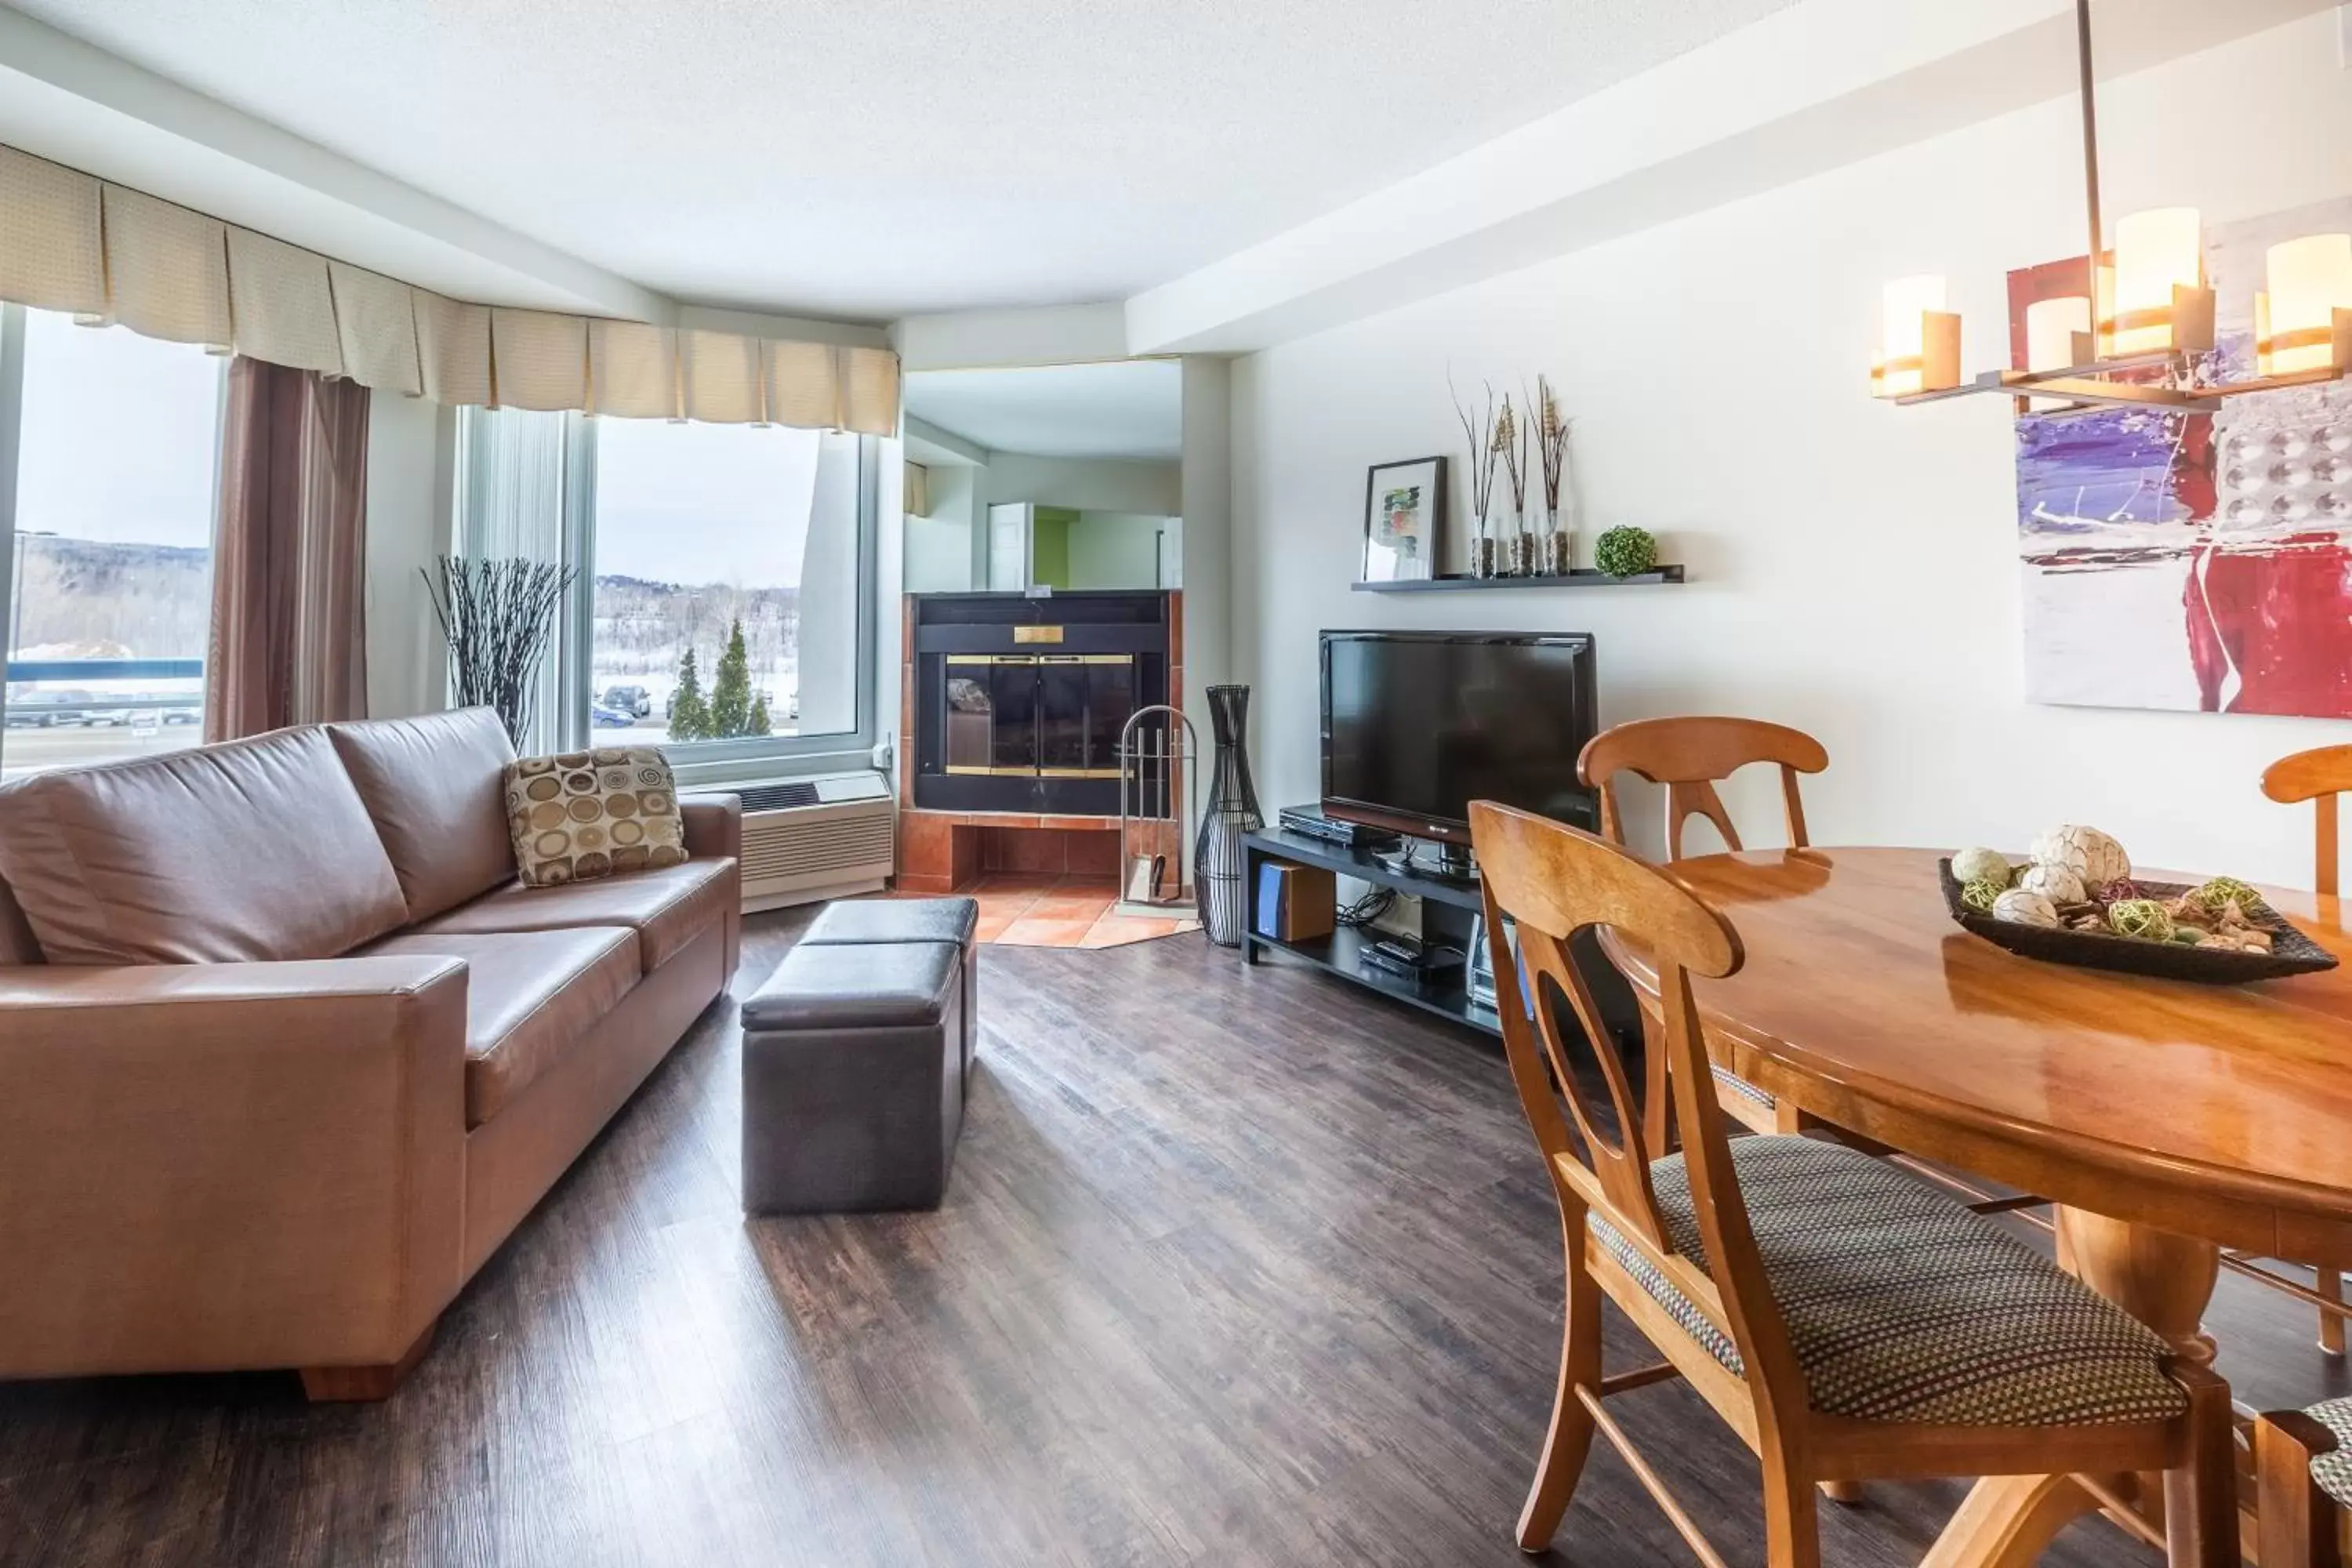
(1049, 545)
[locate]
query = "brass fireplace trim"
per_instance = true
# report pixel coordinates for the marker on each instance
(1036, 634)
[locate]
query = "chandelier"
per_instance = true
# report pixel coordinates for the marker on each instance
(2136, 335)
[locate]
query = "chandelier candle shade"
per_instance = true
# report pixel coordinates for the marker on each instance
(2304, 320)
(1919, 340)
(2160, 301)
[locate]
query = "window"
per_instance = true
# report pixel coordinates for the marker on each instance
(733, 564)
(108, 536)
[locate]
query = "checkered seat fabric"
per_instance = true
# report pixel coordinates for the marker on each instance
(2334, 1471)
(1733, 1083)
(1903, 1306)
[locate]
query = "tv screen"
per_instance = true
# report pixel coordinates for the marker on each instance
(1416, 725)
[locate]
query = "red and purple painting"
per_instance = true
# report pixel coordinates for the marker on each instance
(2191, 561)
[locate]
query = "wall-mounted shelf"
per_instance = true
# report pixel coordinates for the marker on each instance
(1582, 577)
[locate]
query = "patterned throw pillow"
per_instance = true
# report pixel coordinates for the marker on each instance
(585, 814)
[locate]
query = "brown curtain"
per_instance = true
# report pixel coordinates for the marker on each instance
(290, 563)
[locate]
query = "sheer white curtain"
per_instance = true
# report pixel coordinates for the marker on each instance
(527, 487)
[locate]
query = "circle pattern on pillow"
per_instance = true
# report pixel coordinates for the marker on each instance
(580, 816)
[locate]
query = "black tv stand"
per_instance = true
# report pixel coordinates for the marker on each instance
(1445, 994)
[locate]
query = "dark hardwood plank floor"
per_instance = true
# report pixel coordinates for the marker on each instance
(1239, 1266)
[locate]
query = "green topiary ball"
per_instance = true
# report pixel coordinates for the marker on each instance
(2141, 917)
(1982, 894)
(1625, 552)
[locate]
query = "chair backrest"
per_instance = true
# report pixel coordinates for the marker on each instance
(1555, 881)
(2316, 775)
(1690, 756)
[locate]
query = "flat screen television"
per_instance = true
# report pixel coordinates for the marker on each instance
(1416, 725)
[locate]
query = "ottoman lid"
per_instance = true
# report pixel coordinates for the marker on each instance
(839, 986)
(895, 920)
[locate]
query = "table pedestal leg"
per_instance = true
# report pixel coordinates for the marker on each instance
(2162, 1280)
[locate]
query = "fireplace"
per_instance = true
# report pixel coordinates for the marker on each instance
(1019, 702)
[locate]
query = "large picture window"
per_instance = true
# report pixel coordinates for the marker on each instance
(108, 532)
(729, 572)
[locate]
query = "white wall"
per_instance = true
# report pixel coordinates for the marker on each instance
(411, 448)
(939, 547)
(1853, 566)
(1116, 549)
(1087, 484)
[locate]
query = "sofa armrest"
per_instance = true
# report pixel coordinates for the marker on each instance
(714, 824)
(228, 1167)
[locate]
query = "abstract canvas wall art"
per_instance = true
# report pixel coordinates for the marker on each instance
(2200, 562)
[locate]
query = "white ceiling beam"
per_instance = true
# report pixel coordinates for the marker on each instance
(1817, 86)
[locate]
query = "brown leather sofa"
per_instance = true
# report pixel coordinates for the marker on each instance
(286, 1052)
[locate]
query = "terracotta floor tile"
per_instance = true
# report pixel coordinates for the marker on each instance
(1118, 931)
(989, 927)
(1033, 931)
(1066, 904)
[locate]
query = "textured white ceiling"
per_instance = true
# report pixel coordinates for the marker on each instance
(1132, 409)
(876, 158)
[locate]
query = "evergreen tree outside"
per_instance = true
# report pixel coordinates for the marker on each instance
(689, 715)
(761, 723)
(731, 689)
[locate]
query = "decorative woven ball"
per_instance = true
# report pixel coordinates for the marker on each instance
(2141, 917)
(1982, 894)
(2055, 883)
(2022, 907)
(1625, 552)
(2090, 854)
(2222, 891)
(2119, 889)
(1981, 865)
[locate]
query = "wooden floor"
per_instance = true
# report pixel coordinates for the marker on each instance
(1240, 1267)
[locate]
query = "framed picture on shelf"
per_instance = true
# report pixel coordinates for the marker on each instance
(1404, 510)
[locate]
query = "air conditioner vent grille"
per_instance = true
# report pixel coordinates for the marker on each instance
(777, 797)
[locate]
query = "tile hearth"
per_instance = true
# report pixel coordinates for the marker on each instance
(1020, 910)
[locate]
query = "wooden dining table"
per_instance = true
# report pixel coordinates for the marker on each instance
(2165, 1120)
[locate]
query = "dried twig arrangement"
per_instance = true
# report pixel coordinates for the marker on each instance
(1551, 444)
(1511, 441)
(497, 614)
(1481, 433)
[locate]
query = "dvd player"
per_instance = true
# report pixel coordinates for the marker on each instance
(1310, 821)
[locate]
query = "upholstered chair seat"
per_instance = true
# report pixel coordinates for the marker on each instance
(1903, 1306)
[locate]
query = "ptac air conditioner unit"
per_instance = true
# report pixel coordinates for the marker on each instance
(806, 839)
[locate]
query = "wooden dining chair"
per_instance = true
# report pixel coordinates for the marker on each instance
(2318, 776)
(1764, 1269)
(1690, 756)
(2303, 1466)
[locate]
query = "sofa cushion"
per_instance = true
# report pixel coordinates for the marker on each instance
(581, 816)
(433, 787)
(252, 851)
(665, 907)
(529, 998)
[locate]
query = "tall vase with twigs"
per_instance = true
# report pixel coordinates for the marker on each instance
(1481, 425)
(497, 614)
(1515, 544)
(1556, 552)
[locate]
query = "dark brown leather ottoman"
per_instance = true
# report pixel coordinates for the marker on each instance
(853, 1079)
(854, 920)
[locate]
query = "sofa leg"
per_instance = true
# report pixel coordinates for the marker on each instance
(364, 1384)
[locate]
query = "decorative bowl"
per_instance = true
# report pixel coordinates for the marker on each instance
(2292, 952)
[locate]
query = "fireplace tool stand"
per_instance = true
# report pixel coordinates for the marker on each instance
(1158, 786)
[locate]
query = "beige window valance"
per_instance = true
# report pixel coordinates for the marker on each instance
(70, 241)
